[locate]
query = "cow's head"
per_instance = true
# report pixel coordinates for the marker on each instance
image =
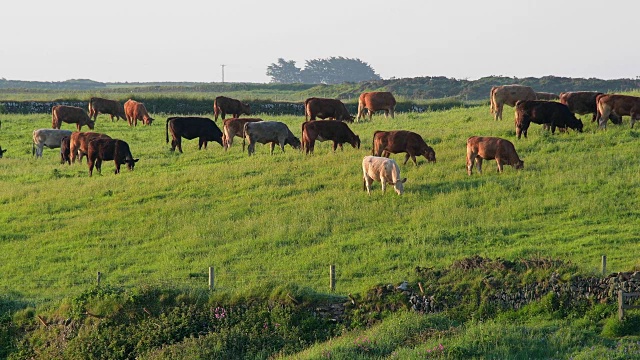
(293, 141)
(91, 124)
(429, 154)
(246, 108)
(131, 163)
(147, 120)
(519, 164)
(2, 152)
(355, 142)
(578, 125)
(399, 186)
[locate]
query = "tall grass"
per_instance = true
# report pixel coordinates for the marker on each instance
(284, 218)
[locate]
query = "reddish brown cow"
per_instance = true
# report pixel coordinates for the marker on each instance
(223, 105)
(327, 130)
(584, 102)
(374, 101)
(70, 115)
(326, 108)
(489, 148)
(109, 149)
(234, 127)
(621, 105)
(104, 106)
(401, 141)
(79, 143)
(136, 111)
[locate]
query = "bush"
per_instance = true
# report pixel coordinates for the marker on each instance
(630, 325)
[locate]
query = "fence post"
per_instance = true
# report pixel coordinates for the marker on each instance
(98, 278)
(604, 265)
(211, 277)
(332, 278)
(620, 305)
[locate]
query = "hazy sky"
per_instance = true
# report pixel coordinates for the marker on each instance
(142, 40)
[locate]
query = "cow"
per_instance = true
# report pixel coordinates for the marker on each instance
(509, 95)
(544, 112)
(79, 144)
(546, 96)
(136, 111)
(584, 102)
(324, 130)
(401, 141)
(2, 151)
(65, 151)
(621, 105)
(326, 108)
(104, 149)
(104, 106)
(374, 101)
(234, 127)
(70, 115)
(488, 148)
(384, 170)
(269, 132)
(223, 105)
(191, 127)
(51, 138)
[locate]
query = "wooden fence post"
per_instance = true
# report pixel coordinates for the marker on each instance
(98, 278)
(332, 278)
(211, 278)
(620, 305)
(604, 265)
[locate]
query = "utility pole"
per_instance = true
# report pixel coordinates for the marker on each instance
(223, 72)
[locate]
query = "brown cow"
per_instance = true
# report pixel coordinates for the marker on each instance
(136, 111)
(584, 102)
(508, 94)
(104, 106)
(401, 141)
(234, 127)
(621, 105)
(326, 108)
(109, 149)
(70, 115)
(489, 148)
(223, 105)
(79, 143)
(374, 101)
(327, 130)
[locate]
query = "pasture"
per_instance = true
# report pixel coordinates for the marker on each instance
(283, 219)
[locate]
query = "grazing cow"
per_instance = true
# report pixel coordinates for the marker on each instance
(509, 95)
(136, 111)
(234, 127)
(323, 130)
(223, 105)
(544, 112)
(384, 170)
(621, 105)
(70, 115)
(79, 143)
(584, 102)
(374, 101)
(51, 138)
(65, 151)
(401, 141)
(104, 106)
(109, 149)
(2, 151)
(191, 127)
(326, 108)
(546, 96)
(488, 148)
(269, 132)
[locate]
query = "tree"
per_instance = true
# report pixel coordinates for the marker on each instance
(334, 70)
(284, 72)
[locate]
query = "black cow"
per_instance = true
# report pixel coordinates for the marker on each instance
(544, 112)
(2, 152)
(191, 127)
(103, 149)
(65, 150)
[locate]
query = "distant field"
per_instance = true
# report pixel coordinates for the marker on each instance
(285, 218)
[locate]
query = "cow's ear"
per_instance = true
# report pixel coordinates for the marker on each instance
(403, 180)
(135, 160)
(4, 151)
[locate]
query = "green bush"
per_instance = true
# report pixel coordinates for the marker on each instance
(630, 325)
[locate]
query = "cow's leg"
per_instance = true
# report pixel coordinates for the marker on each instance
(200, 142)
(117, 167)
(311, 146)
(553, 128)
(470, 159)
(383, 181)
(251, 148)
(99, 165)
(367, 180)
(179, 144)
(205, 144)
(633, 115)
(499, 165)
(91, 163)
(499, 112)
(386, 113)
(406, 158)
(335, 146)
(413, 157)
(479, 164)
(392, 111)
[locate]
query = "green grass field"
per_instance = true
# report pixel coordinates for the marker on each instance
(283, 219)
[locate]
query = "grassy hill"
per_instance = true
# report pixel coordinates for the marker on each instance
(281, 220)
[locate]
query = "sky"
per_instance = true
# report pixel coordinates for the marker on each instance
(187, 40)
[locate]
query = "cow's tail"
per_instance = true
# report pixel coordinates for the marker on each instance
(306, 113)
(492, 100)
(54, 118)
(373, 143)
(166, 129)
(33, 149)
(91, 106)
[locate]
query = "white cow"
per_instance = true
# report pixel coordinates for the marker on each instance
(384, 170)
(50, 138)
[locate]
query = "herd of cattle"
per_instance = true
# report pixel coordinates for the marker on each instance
(529, 106)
